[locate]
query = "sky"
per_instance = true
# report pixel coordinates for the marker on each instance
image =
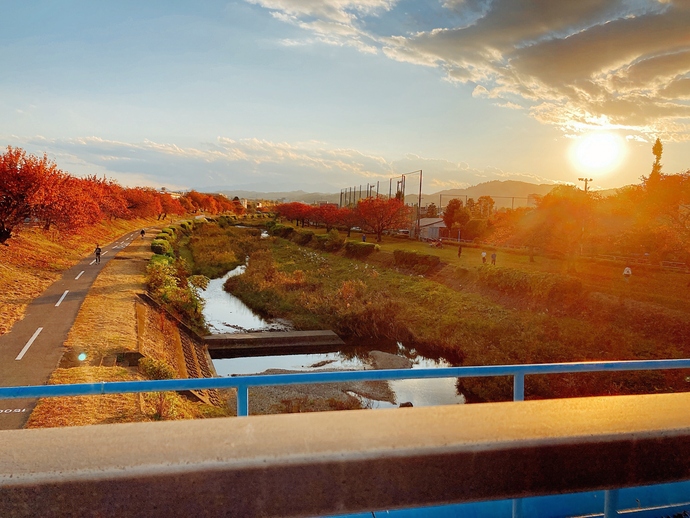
(321, 95)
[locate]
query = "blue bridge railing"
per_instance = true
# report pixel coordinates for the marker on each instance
(243, 383)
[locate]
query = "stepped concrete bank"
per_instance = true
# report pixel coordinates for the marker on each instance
(339, 462)
(270, 343)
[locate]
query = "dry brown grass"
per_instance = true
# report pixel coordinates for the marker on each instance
(106, 322)
(112, 320)
(85, 410)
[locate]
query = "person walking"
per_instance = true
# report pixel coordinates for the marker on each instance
(483, 257)
(627, 273)
(142, 233)
(493, 258)
(97, 251)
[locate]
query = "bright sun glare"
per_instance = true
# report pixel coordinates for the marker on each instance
(597, 152)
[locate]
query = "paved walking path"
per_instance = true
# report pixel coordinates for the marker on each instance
(32, 349)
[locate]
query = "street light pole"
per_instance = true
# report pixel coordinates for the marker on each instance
(586, 180)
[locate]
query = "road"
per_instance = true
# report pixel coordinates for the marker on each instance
(32, 349)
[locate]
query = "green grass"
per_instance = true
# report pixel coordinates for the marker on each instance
(365, 300)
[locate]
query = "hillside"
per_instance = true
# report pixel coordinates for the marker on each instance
(503, 193)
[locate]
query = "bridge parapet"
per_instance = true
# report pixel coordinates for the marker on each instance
(340, 462)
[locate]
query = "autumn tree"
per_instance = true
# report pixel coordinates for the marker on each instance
(143, 202)
(294, 211)
(109, 197)
(377, 215)
(26, 184)
(327, 215)
(347, 218)
(485, 207)
(455, 216)
(169, 205)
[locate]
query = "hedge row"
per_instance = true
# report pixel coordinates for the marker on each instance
(359, 250)
(419, 263)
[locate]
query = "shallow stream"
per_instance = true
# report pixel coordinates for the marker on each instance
(225, 313)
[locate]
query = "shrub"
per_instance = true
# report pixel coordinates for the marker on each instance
(156, 369)
(331, 242)
(419, 262)
(284, 231)
(545, 288)
(319, 241)
(302, 237)
(169, 231)
(186, 225)
(161, 246)
(474, 229)
(358, 250)
(227, 221)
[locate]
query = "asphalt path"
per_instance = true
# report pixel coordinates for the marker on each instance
(32, 349)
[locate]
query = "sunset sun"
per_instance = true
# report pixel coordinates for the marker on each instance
(597, 152)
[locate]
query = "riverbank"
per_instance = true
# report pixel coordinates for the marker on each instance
(468, 316)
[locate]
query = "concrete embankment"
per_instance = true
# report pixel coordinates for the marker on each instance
(270, 343)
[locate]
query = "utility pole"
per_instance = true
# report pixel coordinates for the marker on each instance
(586, 180)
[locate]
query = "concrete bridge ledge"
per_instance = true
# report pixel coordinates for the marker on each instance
(338, 462)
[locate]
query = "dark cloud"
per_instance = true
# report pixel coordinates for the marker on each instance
(588, 62)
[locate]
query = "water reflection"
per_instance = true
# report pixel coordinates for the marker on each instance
(426, 392)
(225, 313)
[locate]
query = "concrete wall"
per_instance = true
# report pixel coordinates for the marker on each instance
(337, 462)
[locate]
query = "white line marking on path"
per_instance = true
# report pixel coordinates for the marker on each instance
(92, 262)
(28, 344)
(104, 252)
(61, 298)
(80, 274)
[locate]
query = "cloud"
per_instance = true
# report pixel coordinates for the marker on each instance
(251, 163)
(576, 64)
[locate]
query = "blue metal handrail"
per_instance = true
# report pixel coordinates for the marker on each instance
(242, 383)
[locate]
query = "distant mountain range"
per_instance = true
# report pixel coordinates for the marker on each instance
(509, 193)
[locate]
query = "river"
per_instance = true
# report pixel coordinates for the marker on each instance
(225, 313)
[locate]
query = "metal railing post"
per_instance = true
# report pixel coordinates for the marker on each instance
(610, 503)
(517, 508)
(242, 401)
(519, 386)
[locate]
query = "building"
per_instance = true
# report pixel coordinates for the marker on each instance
(430, 228)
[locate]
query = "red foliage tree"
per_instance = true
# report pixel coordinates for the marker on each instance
(327, 215)
(143, 202)
(378, 215)
(169, 205)
(294, 211)
(109, 197)
(27, 186)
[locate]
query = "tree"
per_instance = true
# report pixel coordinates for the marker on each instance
(26, 184)
(347, 218)
(169, 205)
(432, 211)
(377, 215)
(455, 216)
(143, 202)
(485, 206)
(327, 214)
(294, 211)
